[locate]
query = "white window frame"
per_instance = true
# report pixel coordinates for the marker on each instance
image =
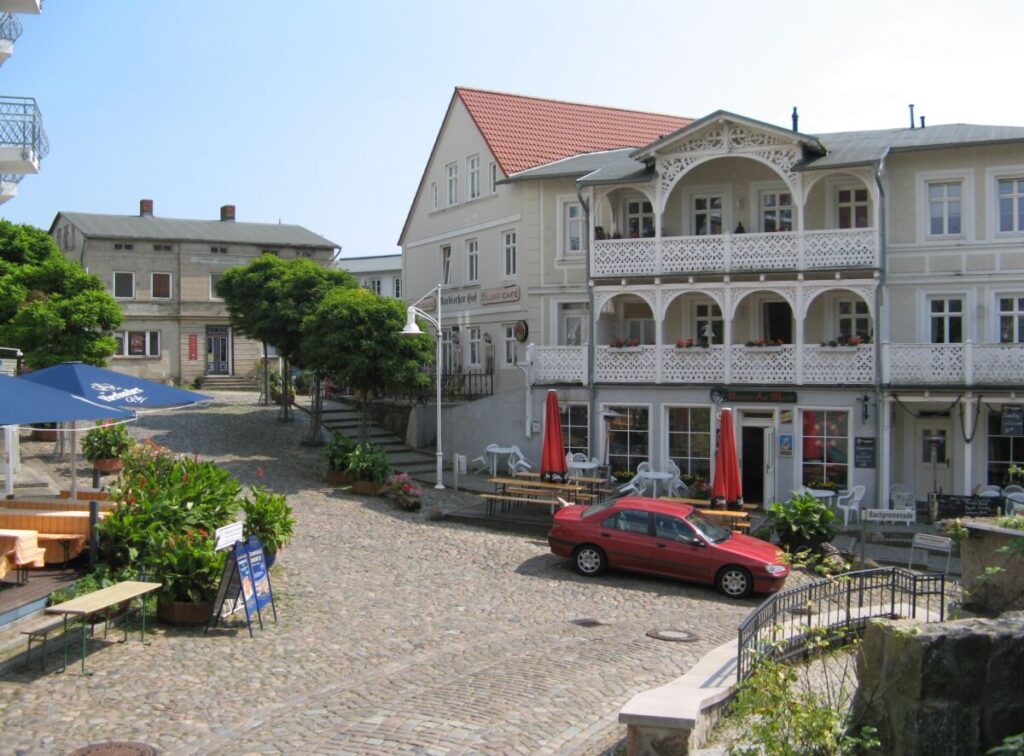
(710, 318)
(666, 450)
(213, 292)
(433, 195)
(474, 352)
(798, 440)
(565, 421)
(606, 406)
(374, 285)
(494, 177)
(509, 345)
(472, 260)
(926, 178)
(992, 177)
(561, 313)
(397, 283)
(776, 191)
(452, 179)
(1016, 312)
(124, 339)
(640, 215)
(113, 284)
(929, 316)
(509, 253)
(564, 229)
(837, 204)
(473, 171)
(170, 286)
(853, 316)
(446, 264)
(689, 204)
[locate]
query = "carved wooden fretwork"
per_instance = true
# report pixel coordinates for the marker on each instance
(604, 296)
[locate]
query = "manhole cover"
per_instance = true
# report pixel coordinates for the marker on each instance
(123, 748)
(679, 636)
(586, 622)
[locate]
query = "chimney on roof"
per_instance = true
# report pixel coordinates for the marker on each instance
(911, 115)
(227, 213)
(922, 122)
(145, 208)
(796, 119)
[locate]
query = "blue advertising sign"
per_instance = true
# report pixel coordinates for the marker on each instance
(260, 579)
(245, 577)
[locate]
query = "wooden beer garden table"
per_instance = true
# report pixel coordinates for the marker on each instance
(737, 519)
(83, 607)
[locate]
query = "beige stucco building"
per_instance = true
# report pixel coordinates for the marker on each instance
(162, 271)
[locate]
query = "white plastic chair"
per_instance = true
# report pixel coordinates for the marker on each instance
(675, 483)
(1015, 503)
(483, 462)
(990, 491)
(849, 503)
(517, 461)
(636, 486)
(902, 498)
(1013, 488)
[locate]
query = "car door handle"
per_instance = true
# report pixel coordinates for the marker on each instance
(606, 535)
(660, 545)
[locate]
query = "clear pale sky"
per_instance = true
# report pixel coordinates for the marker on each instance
(322, 113)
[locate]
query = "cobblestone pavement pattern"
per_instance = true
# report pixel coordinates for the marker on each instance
(397, 633)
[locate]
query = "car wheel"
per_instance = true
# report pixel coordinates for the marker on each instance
(589, 560)
(735, 582)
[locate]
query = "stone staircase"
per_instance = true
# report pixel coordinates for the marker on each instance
(229, 383)
(340, 416)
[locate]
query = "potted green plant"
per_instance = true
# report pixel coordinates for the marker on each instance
(336, 453)
(269, 518)
(104, 446)
(189, 568)
(403, 491)
(802, 522)
(368, 465)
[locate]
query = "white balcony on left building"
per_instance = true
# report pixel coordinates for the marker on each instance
(23, 142)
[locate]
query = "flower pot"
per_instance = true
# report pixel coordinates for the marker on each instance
(108, 466)
(338, 476)
(184, 612)
(365, 487)
(270, 559)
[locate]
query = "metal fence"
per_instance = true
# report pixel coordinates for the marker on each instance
(463, 386)
(836, 606)
(10, 27)
(21, 125)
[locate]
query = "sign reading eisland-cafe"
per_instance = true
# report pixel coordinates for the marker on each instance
(720, 394)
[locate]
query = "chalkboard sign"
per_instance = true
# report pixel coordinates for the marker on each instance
(1012, 420)
(948, 505)
(864, 452)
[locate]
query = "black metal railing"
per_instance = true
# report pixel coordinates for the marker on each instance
(10, 27)
(461, 386)
(837, 606)
(21, 125)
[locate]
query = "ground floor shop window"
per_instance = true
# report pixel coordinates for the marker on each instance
(137, 343)
(1003, 450)
(628, 438)
(576, 428)
(689, 440)
(826, 448)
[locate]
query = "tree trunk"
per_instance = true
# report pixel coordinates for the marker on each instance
(315, 412)
(286, 392)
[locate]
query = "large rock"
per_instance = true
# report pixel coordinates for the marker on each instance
(943, 688)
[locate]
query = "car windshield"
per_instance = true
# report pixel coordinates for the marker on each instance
(714, 533)
(594, 509)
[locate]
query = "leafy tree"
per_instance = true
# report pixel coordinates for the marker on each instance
(50, 307)
(356, 335)
(268, 300)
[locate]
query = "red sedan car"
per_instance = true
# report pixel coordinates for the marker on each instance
(669, 539)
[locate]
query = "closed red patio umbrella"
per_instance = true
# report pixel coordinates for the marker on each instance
(552, 463)
(727, 485)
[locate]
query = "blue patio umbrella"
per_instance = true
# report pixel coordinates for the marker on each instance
(22, 402)
(113, 389)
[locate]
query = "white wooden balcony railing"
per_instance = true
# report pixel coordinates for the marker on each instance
(822, 366)
(966, 364)
(728, 253)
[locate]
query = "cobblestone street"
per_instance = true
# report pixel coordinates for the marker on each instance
(396, 633)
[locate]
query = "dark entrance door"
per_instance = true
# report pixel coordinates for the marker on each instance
(753, 465)
(778, 322)
(218, 343)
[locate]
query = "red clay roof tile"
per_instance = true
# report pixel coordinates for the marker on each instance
(523, 132)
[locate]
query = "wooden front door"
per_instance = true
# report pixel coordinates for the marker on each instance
(218, 350)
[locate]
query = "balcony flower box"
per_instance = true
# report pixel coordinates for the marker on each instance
(691, 344)
(632, 345)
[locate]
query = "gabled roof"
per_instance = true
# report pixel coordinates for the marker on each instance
(523, 132)
(179, 229)
(572, 167)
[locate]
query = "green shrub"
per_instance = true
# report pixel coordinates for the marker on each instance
(188, 566)
(803, 521)
(106, 442)
(368, 462)
(269, 518)
(338, 450)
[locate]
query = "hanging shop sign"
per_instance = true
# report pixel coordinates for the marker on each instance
(720, 394)
(501, 295)
(1012, 420)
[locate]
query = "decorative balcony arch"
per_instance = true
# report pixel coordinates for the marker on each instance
(811, 292)
(737, 294)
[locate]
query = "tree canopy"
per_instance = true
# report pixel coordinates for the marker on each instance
(50, 308)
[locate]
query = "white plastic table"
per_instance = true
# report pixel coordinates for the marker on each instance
(654, 476)
(582, 467)
(494, 453)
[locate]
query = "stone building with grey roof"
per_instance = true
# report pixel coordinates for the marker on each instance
(162, 271)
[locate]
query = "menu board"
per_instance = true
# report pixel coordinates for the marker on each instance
(949, 505)
(1012, 420)
(864, 452)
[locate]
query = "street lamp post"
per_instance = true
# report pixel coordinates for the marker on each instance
(412, 328)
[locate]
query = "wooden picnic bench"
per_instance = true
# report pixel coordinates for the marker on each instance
(100, 601)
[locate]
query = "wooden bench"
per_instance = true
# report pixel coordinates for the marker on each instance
(492, 499)
(38, 634)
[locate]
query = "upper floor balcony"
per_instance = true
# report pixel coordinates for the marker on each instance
(966, 364)
(21, 6)
(9, 186)
(828, 249)
(10, 30)
(23, 141)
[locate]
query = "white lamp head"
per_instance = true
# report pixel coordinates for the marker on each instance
(412, 328)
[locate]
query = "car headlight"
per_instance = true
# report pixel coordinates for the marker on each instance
(774, 569)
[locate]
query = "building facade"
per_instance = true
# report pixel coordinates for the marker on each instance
(381, 274)
(856, 298)
(163, 272)
(23, 141)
